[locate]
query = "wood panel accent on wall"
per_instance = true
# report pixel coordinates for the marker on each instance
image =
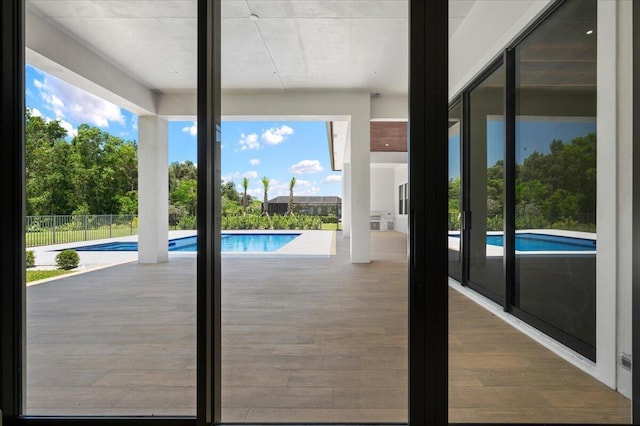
(389, 136)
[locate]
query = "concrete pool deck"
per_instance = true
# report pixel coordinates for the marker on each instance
(308, 244)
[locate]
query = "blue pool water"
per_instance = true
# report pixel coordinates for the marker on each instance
(230, 243)
(543, 242)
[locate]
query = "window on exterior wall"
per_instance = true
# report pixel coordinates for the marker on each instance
(555, 148)
(117, 340)
(406, 198)
(403, 199)
(455, 195)
(486, 187)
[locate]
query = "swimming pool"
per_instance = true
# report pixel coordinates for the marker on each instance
(543, 242)
(231, 243)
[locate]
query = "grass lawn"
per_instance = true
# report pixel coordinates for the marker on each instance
(40, 275)
(328, 226)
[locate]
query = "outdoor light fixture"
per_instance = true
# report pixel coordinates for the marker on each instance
(254, 17)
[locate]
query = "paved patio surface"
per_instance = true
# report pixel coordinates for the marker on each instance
(305, 339)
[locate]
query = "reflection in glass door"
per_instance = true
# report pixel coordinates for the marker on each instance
(455, 192)
(556, 177)
(486, 179)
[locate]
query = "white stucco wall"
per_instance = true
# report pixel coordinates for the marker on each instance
(382, 189)
(622, 57)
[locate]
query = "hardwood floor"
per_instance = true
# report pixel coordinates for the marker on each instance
(304, 340)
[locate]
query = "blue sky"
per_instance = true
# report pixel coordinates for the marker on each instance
(278, 150)
(532, 134)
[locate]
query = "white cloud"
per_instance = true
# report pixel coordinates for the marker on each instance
(71, 131)
(309, 191)
(73, 104)
(305, 167)
(274, 135)
(68, 127)
(257, 192)
(248, 141)
(134, 122)
(230, 176)
(192, 130)
(332, 179)
(251, 174)
(254, 161)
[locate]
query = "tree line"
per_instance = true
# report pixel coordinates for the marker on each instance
(95, 172)
(553, 190)
(92, 173)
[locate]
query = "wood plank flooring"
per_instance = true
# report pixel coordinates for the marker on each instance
(304, 340)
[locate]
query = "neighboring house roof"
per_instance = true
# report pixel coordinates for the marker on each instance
(306, 200)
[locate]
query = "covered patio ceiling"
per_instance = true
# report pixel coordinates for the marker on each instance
(141, 55)
(276, 45)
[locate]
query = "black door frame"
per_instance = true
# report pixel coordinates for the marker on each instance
(427, 163)
(509, 264)
(428, 288)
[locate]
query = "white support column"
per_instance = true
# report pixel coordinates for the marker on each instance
(153, 189)
(360, 168)
(346, 200)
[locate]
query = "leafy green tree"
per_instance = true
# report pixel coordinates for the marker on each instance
(185, 194)
(89, 174)
(48, 177)
(105, 166)
(559, 186)
(228, 190)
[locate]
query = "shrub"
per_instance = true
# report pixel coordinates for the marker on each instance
(30, 259)
(67, 259)
(250, 221)
(187, 222)
(329, 219)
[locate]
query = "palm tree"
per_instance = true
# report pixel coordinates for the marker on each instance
(265, 204)
(245, 185)
(290, 206)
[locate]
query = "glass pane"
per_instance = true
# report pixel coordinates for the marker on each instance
(455, 192)
(486, 133)
(556, 176)
(105, 333)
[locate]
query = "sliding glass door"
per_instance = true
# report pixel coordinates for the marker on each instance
(555, 202)
(533, 251)
(455, 192)
(486, 184)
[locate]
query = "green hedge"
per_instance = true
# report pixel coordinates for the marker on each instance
(252, 221)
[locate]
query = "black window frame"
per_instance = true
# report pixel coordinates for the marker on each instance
(428, 287)
(508, 60)
(428, 121)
